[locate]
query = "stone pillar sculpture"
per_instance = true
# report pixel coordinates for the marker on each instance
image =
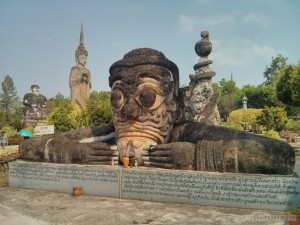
(204, 98)
(80, 78)
(34, 110)
(198, 101)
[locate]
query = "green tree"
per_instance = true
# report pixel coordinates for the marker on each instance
(65, 117)
(228, 87)
(271, 72)
(17, 122)
(272, 118)
(99, 110)
(54, 102)
(9, 101)
(288, 86)
(261, 96)
(230, 97)
(227, 104)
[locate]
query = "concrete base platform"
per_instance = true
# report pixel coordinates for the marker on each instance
(270, 192)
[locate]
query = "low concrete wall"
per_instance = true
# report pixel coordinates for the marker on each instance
(192, 187)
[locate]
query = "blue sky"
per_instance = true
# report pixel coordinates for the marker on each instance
(39, 37)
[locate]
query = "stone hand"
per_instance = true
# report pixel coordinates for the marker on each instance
(177, 155)
(99, 153)
(84, 78)
(82, 153)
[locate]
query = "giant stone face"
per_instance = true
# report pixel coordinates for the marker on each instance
(143, 108)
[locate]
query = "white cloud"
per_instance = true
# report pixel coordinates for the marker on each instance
(263, 50)
(241, 53)
(217, 20)
(257, 18)
(188, 23)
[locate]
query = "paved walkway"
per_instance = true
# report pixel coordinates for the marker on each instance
(22, 206)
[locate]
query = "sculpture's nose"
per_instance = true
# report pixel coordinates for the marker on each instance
(130, 110)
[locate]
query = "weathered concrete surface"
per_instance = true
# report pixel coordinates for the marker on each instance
(22, 206)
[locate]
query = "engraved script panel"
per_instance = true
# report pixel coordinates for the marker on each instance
(229, 190)
(62, 178)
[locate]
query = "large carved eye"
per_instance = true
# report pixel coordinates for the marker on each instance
(147, 97)
(117, 99)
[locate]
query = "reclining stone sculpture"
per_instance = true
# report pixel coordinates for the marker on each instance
(145, 97)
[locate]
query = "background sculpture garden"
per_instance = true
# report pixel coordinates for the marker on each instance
(34, 110)
(80, 78)
(151, 127)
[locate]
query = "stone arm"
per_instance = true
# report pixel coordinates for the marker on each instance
(27, 100)
(43, 101)
(86, 146)
(79, 74)
(217, 149)
(86, 77)
(75, 75)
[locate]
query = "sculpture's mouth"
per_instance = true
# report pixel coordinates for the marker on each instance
(133, 130)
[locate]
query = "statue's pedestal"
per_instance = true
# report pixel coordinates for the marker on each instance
(271, 192)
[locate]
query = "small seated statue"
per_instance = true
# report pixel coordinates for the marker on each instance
(34, 110)
(145, 98)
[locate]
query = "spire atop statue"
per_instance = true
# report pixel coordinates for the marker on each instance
(81, 49)
(81, 41)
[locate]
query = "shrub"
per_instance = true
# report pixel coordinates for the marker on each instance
(292, 125)
(271, 134)
(230, 125)
(272, 118)
(243, 117)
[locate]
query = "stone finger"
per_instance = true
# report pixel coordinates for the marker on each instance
(100, 145)
(158, 159)
(163, 147)
(114, 148)
(158, 153)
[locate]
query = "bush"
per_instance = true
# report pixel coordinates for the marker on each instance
(271, 134)
(272, 118)
(230, 125)
(292, 125)
(10, 131)
(243, 117)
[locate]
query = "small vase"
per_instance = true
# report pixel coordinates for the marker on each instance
(77, 191)
(126, 162)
